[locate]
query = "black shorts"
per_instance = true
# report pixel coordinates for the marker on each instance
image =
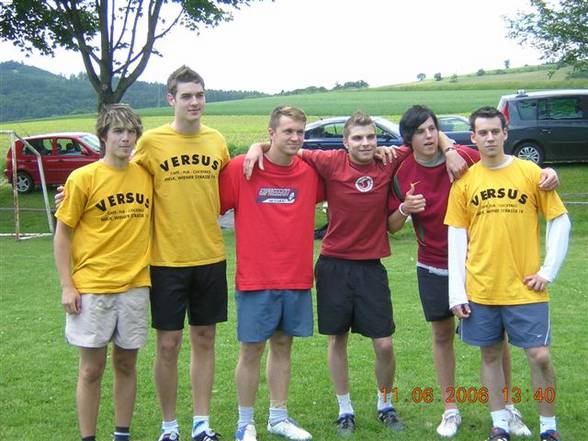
(202, 290)
(434, 292)
(353, 294)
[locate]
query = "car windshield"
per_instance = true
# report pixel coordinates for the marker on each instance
(388, 125)
(92, 141)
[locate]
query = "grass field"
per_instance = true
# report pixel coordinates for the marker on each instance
(38, 369)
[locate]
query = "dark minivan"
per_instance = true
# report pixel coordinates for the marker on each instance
(548, 126)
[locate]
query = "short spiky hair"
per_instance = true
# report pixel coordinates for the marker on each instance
(359, 118)
(291, 112)
(489, 113)
(182, 75)
(120, 115)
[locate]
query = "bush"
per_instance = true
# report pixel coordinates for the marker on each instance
(438, 76)
(481, 72)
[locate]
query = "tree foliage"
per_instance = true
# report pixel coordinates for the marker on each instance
(438, 76)
(115, 38)
(558, 29)
(421, 76)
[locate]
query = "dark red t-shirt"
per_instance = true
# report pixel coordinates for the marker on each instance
(357, 197)
(433, 183)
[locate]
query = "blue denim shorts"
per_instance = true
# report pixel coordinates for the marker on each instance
(261, 313)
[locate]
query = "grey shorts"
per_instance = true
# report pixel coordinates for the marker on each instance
(121, 318)
(261, 313)
(527, 325)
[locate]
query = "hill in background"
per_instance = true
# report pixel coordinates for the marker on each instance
(27, 92)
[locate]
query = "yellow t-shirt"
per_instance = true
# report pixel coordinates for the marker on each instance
(185, 170)
(500, 209)
(110, 212)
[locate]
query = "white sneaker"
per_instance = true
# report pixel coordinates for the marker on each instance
(290, 429)
(450, 422)
(246, 433)
(516, 425)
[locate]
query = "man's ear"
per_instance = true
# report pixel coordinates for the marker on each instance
(170, 99)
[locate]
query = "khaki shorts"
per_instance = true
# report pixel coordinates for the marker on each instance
(120, 318)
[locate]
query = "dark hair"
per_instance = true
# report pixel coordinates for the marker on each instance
(487, 112)
(120, 115)
(359, 118)
(412, 119)
(182, 75)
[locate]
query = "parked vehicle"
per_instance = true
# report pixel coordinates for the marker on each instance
(61, 153)
(327, 134)
(457, 127)
(548, 126)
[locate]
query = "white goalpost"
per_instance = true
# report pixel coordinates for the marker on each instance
(17, 209)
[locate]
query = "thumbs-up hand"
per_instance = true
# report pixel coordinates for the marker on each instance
(413, 203)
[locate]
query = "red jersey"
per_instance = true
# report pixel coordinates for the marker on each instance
(274, 222)
(433, 183)
(357, 197)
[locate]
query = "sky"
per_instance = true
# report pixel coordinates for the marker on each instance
(291, 44)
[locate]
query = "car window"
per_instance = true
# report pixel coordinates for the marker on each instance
(561, 108)
(67, 146)
(454, 125)
(333, 130)
(92, 141)
(43, 146)
(527, 110)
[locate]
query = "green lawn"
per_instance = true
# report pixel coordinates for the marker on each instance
(38, 369)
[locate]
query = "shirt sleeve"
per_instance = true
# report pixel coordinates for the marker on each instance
(74, 202)
(229, 184)
(456, 214)
(457, 239)
(321, 160)
(556, 242)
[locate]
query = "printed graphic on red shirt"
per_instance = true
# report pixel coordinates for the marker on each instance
(267, 195)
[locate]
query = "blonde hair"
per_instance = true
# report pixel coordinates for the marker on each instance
(359, 118)
(291, 112)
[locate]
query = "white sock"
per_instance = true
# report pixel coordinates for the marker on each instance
(277, 414)
(385, 400)
(500, 418)
(546, 423)
(170, 426)
(199, 424)
(245, 416)
(345, 406)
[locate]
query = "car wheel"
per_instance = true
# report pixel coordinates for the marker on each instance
(530, 152)
(24, 182)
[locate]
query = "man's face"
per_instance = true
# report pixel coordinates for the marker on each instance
(425, 141)
(361, 144)
(189, 101)
(489, 137)
(288, 136)
(119, 142)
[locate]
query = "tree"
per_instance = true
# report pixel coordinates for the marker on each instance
(507, 64)
(481, 72)
(453, 78)
(421, 76)
(438, 76)
(114, 39)
(558, 29)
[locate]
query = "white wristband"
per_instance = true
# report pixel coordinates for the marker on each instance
(402, 211)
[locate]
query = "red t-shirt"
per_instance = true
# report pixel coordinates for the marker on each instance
(433, 183)
(357, 197)
(274, 222)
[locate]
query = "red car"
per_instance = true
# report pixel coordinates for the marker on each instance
(61, 154)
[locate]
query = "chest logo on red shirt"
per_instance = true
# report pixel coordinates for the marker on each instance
(276, 195)
(364, 184)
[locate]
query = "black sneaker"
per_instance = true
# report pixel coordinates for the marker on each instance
(169, 436)
(345, 424)
(390, 419)
(550, 435)
(207, 435)
(498, 434)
